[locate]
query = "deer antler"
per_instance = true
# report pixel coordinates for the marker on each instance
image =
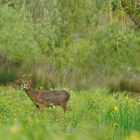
(27, 76)
(30, 75)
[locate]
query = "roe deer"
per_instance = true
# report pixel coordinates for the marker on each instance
(46, 98)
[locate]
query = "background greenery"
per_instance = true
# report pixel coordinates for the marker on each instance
(79, 45)
(73, 43)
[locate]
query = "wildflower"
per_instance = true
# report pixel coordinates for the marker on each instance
(14, 129)
(116, 109)
(127, 98)
(134, 136)
(41, 88)
(115, 124)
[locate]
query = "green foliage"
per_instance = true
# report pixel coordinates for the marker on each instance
(78, 44)
(92, 115)
(132, 8)
(74, 44)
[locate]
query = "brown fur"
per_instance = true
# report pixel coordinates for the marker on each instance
(46, 98)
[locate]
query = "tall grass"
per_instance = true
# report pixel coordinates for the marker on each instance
(93, 115)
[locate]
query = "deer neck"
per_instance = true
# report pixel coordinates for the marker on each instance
(29, 93)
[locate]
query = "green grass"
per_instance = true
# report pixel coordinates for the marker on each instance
(92, 115)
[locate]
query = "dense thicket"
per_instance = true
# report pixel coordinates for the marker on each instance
(132, 8)
(74, 43)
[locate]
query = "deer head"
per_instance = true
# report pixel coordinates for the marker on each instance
(26, 82)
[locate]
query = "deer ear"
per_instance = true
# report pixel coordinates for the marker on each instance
(21, 80)
(24, 76)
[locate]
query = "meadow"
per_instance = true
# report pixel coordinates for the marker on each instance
(80, 45)
(91, 115)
